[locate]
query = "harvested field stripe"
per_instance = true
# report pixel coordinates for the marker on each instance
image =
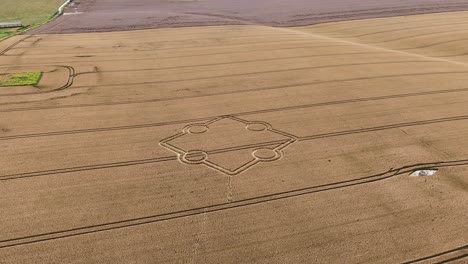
(286, 70)
(295, 85)
(259, 60)
(224, 206)
(136, 52)
(373, 47)
(245, 113)
(233, 114)
(438, 43)
(224, 150)
(271, 110)
(107, 129)
(417, 36)
(455, 55)
(412, 7)
(453, 259)
(126, 163)
(160, 49)
(436, 256)
(184, 40)
(21, 40)
(377, 12)
(99, 47)
(166, 32)
(249, 47)
(48, 43)
(416, 27)
(218, 53)
(385, 23)
(377, 22)
(379, 128)
(86, 168)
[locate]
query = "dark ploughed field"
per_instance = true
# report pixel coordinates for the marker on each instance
(113, 15)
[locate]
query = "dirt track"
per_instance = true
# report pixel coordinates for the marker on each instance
(238, 144)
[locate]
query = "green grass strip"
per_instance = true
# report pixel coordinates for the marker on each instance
(4, 33)
(20, 79)
(31, 13)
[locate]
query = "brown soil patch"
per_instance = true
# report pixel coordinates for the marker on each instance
(112, 15)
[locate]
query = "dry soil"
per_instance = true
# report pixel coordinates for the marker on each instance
(237, 143)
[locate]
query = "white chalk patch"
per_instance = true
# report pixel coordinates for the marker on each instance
(420, 173)
(74, 13)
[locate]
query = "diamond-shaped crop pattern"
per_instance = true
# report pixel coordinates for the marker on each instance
(228, 144)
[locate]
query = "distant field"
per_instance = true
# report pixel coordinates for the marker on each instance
(30, 13)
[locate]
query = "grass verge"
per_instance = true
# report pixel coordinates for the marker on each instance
(30, 13)
(4, 33)
(20, 79)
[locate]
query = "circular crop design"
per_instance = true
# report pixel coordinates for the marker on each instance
(195, 157)
(265, 154)
(256, 127)
(198, 129)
